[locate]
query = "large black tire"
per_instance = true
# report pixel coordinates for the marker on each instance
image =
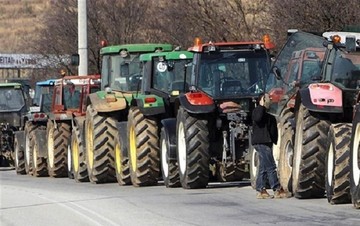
(169, 168)
(122, 165)
(192, 136)
(39, 164)
(143, 149)
(29, 128)
(308, 172)
(254, 163)
(355, 162)
(19, 157)
(286, 157)
(58, 141)
(100, 132)
(78, 155)
(337, 164)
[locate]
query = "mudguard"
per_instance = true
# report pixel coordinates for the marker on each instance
(122, 132)
(321, 101)
(197, 102)
(40, 136)
(156, 106)
(100, 103)
(169, 126)
(20, 136)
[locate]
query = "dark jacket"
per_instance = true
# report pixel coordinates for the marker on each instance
(264, 127)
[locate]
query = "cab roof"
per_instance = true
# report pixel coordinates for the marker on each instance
(49, 82)
(174, 55)
(137, 48)
(225, 46)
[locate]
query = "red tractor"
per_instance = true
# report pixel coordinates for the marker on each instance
(214, 118)
(316, 134)
(65, 127)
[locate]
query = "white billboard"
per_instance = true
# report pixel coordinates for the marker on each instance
(8, 61)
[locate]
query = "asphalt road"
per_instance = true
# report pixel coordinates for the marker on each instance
(26, 200)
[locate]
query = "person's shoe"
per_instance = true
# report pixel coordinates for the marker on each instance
(263, 194)
(281, 194)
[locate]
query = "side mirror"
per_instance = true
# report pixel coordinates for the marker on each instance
(124, 70)
(276, 72)
(75, 59)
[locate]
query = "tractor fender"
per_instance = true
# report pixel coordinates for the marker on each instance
(197, 102)
(148, 109)
(20, 136)
(40, 136)
(169, 126)
(122, 132)
(305, 97)
(101, 103)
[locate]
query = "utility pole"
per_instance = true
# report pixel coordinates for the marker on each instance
(82, 38)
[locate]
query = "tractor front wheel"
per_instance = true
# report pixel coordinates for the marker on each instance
(78, 155)
(169, 168)
(143, 149)
(19, 157)
(355, 162)
(39, 165)
(58, 139)
(100, 132)
(337, 164)
(122, 167)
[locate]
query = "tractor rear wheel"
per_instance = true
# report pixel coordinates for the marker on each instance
(58, 139)
(78, 155)
(337, 164)
(100, 132)
(355, 162)
(19, 157)
(309, 155)
(29, 127)
(39, 165)
(143, 149)
(193, 155)
(122, 165)
(169, 168)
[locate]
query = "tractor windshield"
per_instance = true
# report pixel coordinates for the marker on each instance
(121, 73)
(295, 43)
(168, 75)
(72, 96)
(225, 74)
(346, 70)
(11, 99)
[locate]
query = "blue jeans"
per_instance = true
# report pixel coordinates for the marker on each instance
(266, 168)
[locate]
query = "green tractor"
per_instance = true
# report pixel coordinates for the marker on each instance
(163, 81)
(120, 78)
(13, 105)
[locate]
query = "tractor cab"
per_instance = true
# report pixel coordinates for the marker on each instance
(121, 67)
(70, 94)
(230, 70)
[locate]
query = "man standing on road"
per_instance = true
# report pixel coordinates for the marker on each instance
(265, 134)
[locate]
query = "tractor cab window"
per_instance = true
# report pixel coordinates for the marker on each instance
(168, 75)
(124, 72)
(224, 74)
(346, 71)
(45, 97)
(72, 95)
(11, 99)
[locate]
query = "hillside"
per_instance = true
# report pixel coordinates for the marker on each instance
(19, 22)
